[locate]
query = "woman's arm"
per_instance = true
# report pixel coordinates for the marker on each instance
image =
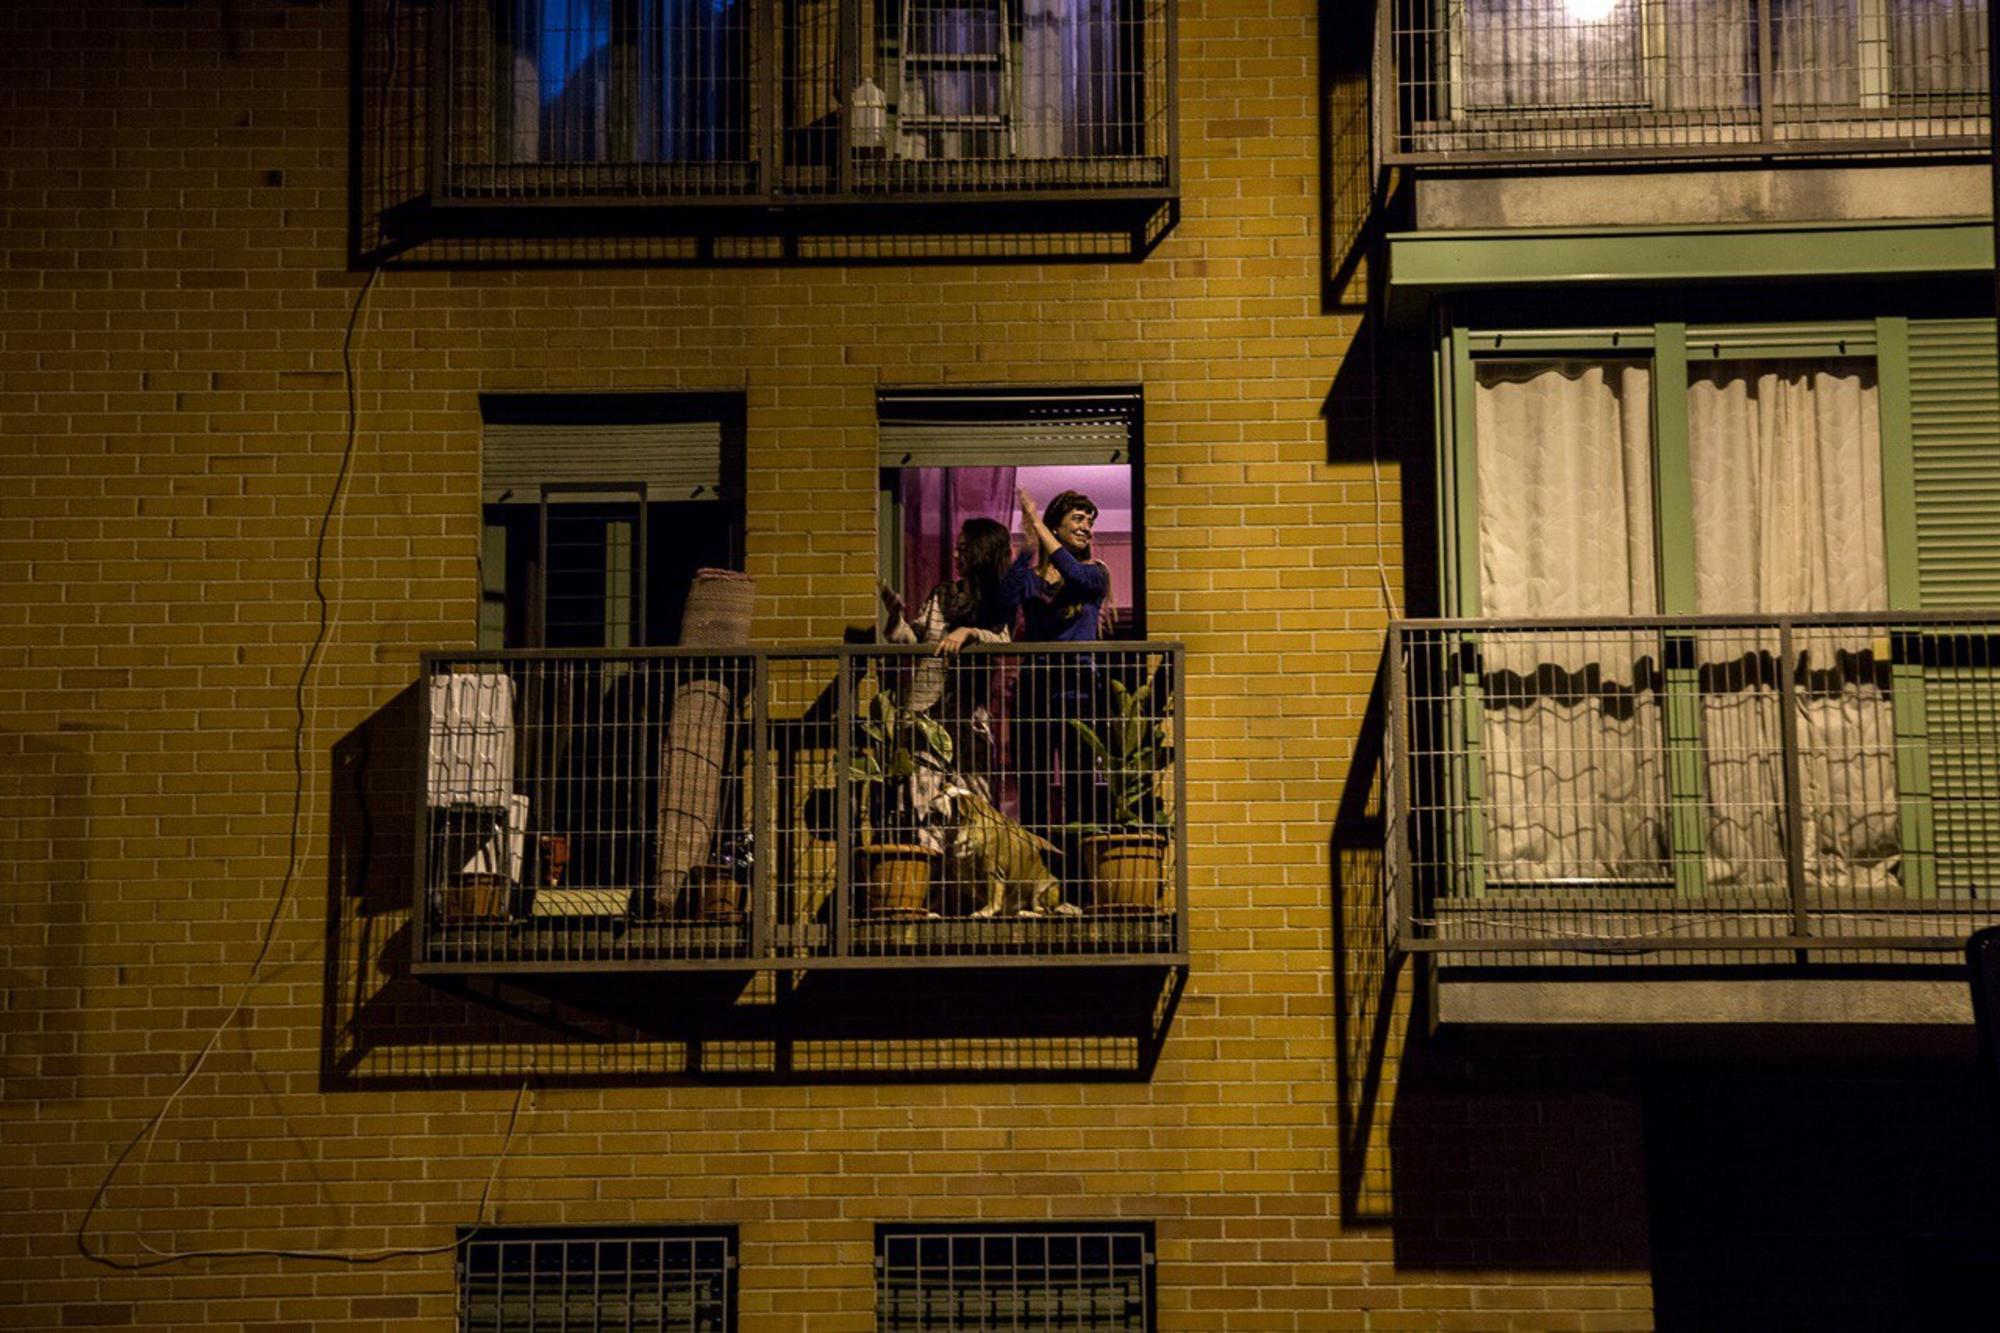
(1032, 525)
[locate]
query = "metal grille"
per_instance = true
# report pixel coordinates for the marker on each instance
(1481, 81)
(548, 1281)
(669, 807)
(734, 100)
(972, 1279)
(1707, 782)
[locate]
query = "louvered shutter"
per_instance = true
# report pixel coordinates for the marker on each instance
(677, 460)
(1955, 450)
(974, 430)
(1955, 430)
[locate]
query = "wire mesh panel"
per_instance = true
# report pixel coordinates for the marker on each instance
(971, 1279)
(604, 813)
(1499, 80)
(671, 807)
(1015, 802)
(974, 96)
(550, 1280)
(1655, 783)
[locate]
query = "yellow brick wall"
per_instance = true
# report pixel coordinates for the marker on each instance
(174, 410)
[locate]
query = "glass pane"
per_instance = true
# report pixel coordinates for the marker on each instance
(1786, 462)
(1938, 46)
(1554, 53)
(1569, 723)
(1565, 461)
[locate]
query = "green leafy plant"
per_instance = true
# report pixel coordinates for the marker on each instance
(894, 742)
(1134, 749)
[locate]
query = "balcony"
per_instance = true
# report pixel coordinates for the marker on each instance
(763, 129)
(1477, 83)
(1654, 793)
(869, 808)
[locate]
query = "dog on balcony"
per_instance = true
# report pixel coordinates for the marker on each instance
(1005, 859)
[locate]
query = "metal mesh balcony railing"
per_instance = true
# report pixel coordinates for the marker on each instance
(791, 808)
(1667, 785)
(1489, 81)
(495, 103)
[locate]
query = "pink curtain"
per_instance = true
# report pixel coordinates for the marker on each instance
(936, 501)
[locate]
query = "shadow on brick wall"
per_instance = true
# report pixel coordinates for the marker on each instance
(1368, 1017)
(382, 1026)
(1531, 1165)
(44, 931)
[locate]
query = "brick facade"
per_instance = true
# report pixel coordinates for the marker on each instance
(185, 385)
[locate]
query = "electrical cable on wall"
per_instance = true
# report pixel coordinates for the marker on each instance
(305, 711)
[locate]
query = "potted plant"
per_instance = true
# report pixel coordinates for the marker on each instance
(897, 744)
(1126, 854)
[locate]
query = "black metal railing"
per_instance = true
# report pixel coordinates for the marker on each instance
(565, 109)
(801, 807)
(1476, 82)
(1663, 785)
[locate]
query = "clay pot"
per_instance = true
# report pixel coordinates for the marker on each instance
(1127, 870)
(898, 879)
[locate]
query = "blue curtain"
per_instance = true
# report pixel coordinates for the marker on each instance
(583, 89)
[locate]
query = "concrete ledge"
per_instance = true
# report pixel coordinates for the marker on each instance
(1859, 193)
(1471, 999)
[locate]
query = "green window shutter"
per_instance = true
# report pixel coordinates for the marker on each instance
(1955, 456)
(1955, 430)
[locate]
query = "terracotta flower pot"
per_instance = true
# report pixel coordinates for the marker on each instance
(474, 898)
(1127, 870)
(715, 895)
(898, 878)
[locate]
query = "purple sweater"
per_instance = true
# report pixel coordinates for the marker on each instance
(1066, 613)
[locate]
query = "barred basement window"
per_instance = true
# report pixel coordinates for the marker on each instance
(662, 1279)
(969, 1279)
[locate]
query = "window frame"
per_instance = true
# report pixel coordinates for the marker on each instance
(1669, 347)
(564, 414)
(983, 408)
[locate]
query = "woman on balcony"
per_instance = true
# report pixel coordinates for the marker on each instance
(993, 864)
(1069, 592)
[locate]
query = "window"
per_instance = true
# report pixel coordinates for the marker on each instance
(968, 1279)
(598, 510)
(948, 457)
(1704, 55)
(593, 81)
(670, 1280)
(1678, 471)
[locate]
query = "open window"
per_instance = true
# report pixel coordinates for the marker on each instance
(951, 456)
(598, 510)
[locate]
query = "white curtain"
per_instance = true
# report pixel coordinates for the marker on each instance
(1710, 55)
(1538, 53)
(1072, 80)
(1938, 46)
(1785, 457)
(1570, 727)
(1817, 55)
